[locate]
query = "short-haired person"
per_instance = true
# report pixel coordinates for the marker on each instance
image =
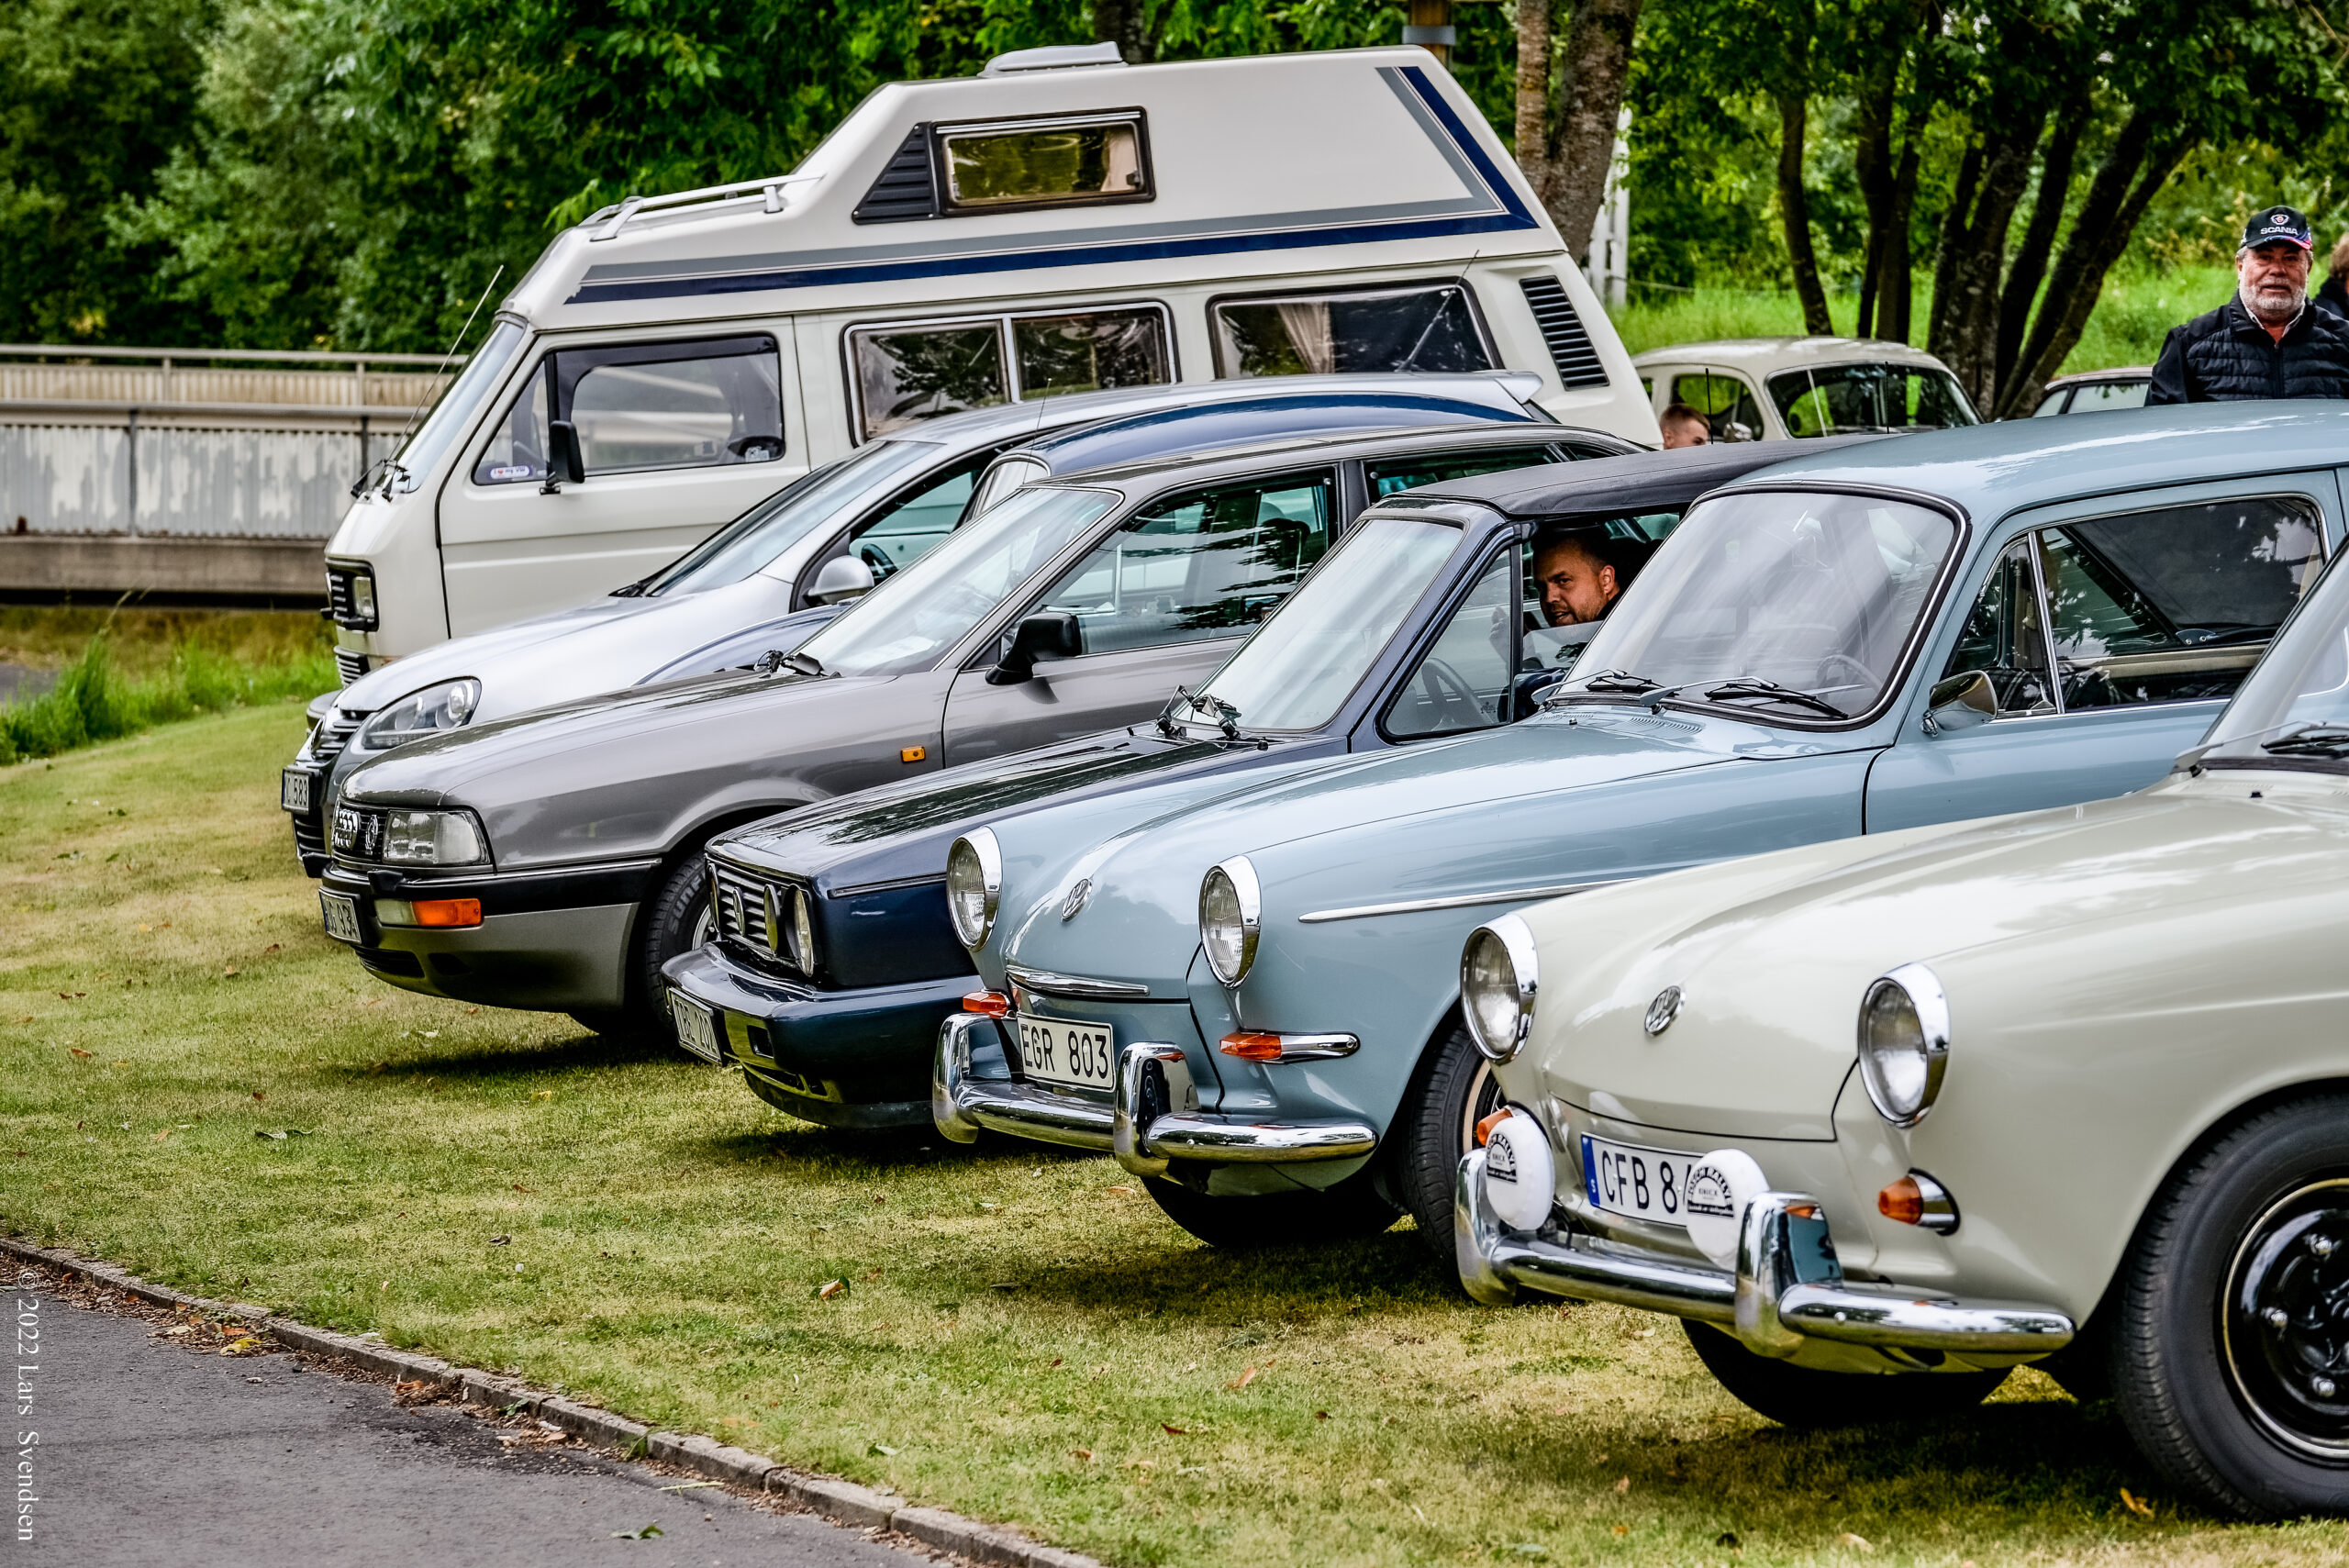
(1684, 426)
(2267, 341)
(1580, 576)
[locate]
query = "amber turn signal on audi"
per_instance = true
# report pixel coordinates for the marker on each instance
(991, 1003)
(448, 911)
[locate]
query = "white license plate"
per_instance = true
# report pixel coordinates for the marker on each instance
(1639, 1183)
(293, 791)
(342, 911)
(697, 1025)
(1064, 1051)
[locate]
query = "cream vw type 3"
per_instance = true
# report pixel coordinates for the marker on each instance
(2068, 1087)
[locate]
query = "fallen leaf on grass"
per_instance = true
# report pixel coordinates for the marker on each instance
(1728, 1538)
(1242, 1381)
(543, 1094)
(432, 1034)
(471, 1011)
(78, 1052)
(1128, 1191)
(647, 1533)
(69, 995)
(162, 1135)
(1083, 1455)
(1175, 1432)
(1623, 1529)
(882, 1449)
(500, 1240)
(1522, 1549)
(1320, 1414)
(259, 1095)
(830, 1288)
(2136, 1504)
(244, 1345)
(520, 1189)
(281, 1137)
(228, 972)
(1006, 1284)
(1856, 1542)
(1625, 1485)
(274, 947)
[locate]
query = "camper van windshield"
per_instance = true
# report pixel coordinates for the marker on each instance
(918, 614)
(780, 521)
(453, 415)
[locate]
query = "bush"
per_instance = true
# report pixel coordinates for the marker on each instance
(94, 701)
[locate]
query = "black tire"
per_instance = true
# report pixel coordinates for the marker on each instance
(1350, 1210)
(1802, 1397)
(2246, 1414)
(676, 920)
(1452, 1091)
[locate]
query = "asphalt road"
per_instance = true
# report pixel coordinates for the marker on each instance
(153, 1453)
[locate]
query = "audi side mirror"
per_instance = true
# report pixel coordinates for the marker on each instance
(564, 465)
(1054, 634)
(842, 578)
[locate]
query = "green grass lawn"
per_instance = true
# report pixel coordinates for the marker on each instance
(1023, 1336)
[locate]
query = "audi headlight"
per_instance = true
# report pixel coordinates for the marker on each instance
(1498, 976)
(449, 705)
(1904, 1043)
(434, 839)
(1231, 913)
(973, 881)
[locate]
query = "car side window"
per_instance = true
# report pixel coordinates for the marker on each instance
(1427, 327)
(1201, 563)
(903, 530)
(2174, 605)
(707, 404)
(1726, 402)
(1463, 681)
(909, 371)
(2005, 638)
(1404, 474)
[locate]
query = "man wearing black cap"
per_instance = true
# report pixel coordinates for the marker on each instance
(2267, 341)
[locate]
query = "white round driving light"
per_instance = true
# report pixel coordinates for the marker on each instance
(1904, 1043)
(1498, 976)
(1232, 912)
(1520, 1173)
(973, 881)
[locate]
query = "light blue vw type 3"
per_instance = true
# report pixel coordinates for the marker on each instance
(1253, 1001)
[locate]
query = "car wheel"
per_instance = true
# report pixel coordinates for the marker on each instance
(679, 920)
(1347, 1212)
(1435, 1127)
(1805, 1396)
(2230, 1351)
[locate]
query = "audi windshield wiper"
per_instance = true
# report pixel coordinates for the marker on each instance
(2316, 741)
(1755, 687)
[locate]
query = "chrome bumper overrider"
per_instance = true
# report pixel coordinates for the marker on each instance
(1787, 1287)
(1145, 1124)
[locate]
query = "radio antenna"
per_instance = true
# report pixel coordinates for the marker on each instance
(366, 478)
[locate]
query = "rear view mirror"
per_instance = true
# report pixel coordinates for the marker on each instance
(842, 579)
(564, 465)
(1961, 702)
(1054, 634)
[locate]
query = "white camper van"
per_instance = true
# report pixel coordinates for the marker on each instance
(1058, 224)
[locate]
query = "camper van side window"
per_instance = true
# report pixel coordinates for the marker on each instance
(1428, 326)
(907, 372)
(709, 404)
(989, 168)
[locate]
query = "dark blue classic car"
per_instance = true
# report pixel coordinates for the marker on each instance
(1390, 643)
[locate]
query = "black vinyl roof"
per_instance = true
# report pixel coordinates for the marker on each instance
(1616, 487)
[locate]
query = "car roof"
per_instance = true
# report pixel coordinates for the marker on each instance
(1992, 469)
(1504, 392)
(1333, 446)
(1198, 426)
(2087, 378)
(1612, 486)
(1765, 353)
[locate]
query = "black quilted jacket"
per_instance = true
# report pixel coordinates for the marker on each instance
(2226, 356)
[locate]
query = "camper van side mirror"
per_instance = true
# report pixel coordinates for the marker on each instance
(564, 465)
(1053, 634)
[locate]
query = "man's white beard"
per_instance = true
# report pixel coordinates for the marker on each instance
(2268, 315)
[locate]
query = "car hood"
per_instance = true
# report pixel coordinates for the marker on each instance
(596, 647)
(1773, 955)
(1434, 820)
(902, 831)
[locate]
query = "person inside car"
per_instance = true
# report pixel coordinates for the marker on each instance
(1580, 574)
(1684, 426)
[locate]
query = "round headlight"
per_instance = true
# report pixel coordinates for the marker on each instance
(1232, 910)
(1498, 975)
(973, 881)
(1904, 1043)
(449, 705)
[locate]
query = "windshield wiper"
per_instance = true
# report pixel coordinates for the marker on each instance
(631, 590)
(2317, 740)
(775, 659)
(1605, 680)
(1214, 710)
(1755, 687)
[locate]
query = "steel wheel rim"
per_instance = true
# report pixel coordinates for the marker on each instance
(2283, 1322)
(1484, 1099)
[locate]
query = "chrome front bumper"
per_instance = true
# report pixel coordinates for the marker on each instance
(1786, 1289)
(1147, 1123)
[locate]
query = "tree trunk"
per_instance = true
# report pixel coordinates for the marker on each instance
(1120, 22)
(1966, 306)
(1533, 100)
(1899, 268)
(2029, 269)
(1951, 246)
(1794, 208)
(1598, 56)
(2134, 171)
(1880, 170)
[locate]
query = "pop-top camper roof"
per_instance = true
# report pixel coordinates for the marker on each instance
(1044, 177)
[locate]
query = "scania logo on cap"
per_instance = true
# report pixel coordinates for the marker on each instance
(1663, 1010)
(2280, 219)
(1076, 898)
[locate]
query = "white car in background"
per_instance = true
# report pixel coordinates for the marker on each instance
(1776, 389)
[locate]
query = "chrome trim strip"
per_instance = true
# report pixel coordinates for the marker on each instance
(935, 879)
(1317, 1047)
(1763, 1302)
(1044, 982)
(1462, 901)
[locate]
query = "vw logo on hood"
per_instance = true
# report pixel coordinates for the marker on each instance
(1076, 898)
(1663, 1010)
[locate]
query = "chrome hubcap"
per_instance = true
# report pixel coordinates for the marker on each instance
(2285, 1321)
(704, 931)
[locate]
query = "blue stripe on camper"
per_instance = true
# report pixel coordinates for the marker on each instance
(1511, 214)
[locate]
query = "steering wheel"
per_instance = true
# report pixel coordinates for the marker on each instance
(876, 561)
(1866, 676)
(1455, 699)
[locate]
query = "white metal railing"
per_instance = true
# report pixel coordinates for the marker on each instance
(609, 221)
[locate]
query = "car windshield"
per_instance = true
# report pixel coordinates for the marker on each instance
(2293, 709)
(783, 518)
(919, 613)
(1781, 604)
(453, 415)
(1834, 400)
(1302, 663)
